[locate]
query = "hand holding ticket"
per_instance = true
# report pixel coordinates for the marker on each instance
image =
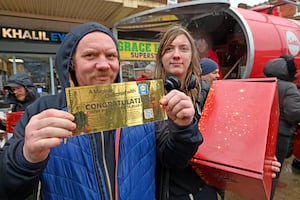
(105, 107)
(179, 107)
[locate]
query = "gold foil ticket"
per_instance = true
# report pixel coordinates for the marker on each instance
(105, 107)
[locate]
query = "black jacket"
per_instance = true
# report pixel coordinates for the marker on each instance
(180, 180)
(31, 92)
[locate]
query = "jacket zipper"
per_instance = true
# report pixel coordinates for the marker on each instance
(94, 154)
(105, 166)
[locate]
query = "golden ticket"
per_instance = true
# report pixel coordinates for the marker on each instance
(105, 107)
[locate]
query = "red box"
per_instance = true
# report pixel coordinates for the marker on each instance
(239, 125)
(11, 120)
(296, 150)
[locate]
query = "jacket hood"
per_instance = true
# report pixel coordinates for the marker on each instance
(17, 80)
(25, 81)
(277, 68)
(64, 54)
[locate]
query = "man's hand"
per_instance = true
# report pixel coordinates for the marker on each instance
(179, 107)
(45, 131)
(275, 167)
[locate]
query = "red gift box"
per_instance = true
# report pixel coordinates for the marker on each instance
(296, 150)
(239, 124)
(11, 120)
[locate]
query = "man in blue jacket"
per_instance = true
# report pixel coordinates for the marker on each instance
(85, 167)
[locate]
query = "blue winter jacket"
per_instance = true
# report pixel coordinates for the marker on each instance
(78, 167)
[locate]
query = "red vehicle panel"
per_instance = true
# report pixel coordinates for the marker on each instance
(243, 39)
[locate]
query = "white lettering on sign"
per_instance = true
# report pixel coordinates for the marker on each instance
(24, 34)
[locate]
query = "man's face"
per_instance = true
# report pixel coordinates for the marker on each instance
(96, 60)
(178, 57)
(211, 76)
(202, 47)
(19, 92)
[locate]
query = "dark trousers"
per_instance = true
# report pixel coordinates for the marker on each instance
(204, 193)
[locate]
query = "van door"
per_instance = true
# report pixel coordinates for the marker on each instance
(158, 19)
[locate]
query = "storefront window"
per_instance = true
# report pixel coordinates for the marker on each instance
(132, 70)
(39, 67)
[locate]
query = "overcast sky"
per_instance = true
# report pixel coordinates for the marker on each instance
(234, 3)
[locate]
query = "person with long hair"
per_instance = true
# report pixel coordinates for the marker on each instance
(177, 56)
(177, 63)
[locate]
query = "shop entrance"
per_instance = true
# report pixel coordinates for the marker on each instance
(40, 67)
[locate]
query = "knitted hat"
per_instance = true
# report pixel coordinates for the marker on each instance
(150, 67)
(208, 65)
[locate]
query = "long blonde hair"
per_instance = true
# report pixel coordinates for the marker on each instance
(194, 69)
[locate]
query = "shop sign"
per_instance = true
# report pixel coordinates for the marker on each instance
(129, 49)
(137, 50)
(33, 35)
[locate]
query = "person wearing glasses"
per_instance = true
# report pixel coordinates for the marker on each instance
(21, 91)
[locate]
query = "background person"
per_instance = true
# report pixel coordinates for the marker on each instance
(148, 73)
(284, 69)
(21, 91)
(205, 50)
(296, 152)
(177, 56)
(210, 71)
(90, 166)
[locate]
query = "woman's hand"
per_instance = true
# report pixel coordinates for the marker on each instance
(179, 107)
